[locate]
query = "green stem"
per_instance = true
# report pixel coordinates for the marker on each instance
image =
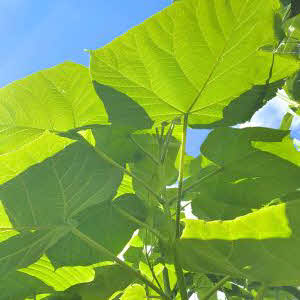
(103, 250)
(178, 268)
(260, 293)
(164, 150)
(166, 281)
(124, 170)
(181, 175)
(140, 223)
(215, 288)
(151, 269)
(180, 278)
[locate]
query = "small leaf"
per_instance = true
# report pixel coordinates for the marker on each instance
(134, 292)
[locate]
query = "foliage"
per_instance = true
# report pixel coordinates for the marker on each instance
(96, 182)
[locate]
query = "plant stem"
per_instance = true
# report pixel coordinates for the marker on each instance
(165, 145)
(181, 174)
(215, 288)
(166, 281)
(103, 250)
(124, 170)
(151, 269)
(260, 293)
(180, 278)
(178, 268)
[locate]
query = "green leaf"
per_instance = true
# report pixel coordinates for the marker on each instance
(105, 225)
(254, 246)
(55, 99)
(59, 188)
(118, 104)
(20, 286)
(193, 57)
(23, 249)
(292, 87)
(292, 27)
(134, 292)
(157, 176)
(59, 279)
(286, 121)
(253, 166)
(108, 280)
(15, 159)
(242, 108)
(202, 285)
(73, 188)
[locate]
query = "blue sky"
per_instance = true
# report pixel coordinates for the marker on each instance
(39, 34)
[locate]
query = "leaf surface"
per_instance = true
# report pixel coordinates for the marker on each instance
(253, 166)
(193, 57)
(253, 246)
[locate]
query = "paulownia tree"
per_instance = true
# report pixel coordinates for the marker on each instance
(96, 184)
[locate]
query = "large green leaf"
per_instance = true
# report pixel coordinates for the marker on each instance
(254, 246)
(24, 249)
(105, 225)
(14, 159)
(60, 187)
(73, 188)
(55, 99)
(193, 57)
(18, 286)
(253, 166)
(58, 99)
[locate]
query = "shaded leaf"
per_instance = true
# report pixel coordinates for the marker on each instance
(252, 167)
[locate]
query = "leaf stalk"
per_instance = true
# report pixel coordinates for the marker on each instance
(103, 250)
(178, 268)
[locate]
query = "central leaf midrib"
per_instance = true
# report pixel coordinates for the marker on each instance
(220, 56)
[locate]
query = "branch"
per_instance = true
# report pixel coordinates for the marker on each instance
(178, 268)
(181, 176)
(103, 250)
